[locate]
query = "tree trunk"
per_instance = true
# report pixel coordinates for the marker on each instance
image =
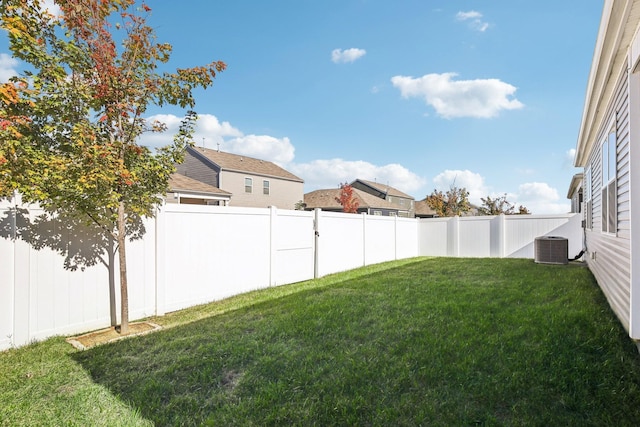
(122, 257)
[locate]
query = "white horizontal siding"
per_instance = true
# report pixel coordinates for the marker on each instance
(609, 255)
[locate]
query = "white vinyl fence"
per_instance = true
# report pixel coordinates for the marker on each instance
(195, 254)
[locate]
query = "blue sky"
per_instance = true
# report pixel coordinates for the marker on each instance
(484, 94)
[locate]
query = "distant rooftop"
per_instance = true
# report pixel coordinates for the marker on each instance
(384, 188)
(240, 163)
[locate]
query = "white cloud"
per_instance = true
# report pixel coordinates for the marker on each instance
(347, 55)
(570, 157)
(474, 19)
(210, 132)
(277, 150)
(482, 98)
(540, 198)
(472, 14)
(471, 181)
(8, 66)
(331, 173)
(51, 7)
(207, 127)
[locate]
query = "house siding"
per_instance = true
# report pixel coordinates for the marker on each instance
(609, 254)
(283, 194)
(198, 168)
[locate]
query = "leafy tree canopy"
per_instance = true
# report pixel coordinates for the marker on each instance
(69, 125)
(346, 198)
(454, 201)
(500, 205)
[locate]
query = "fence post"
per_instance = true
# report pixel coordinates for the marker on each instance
(453, 236)
(502, 236)
(316, 241)
(22, 286)
(364, 238)
(7, 279)
(273, 219)
(395, 237)
(160, 270)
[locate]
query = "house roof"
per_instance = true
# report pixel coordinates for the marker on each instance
(422, 209)
(326, 199)
(576, 182)
(243, 164)
(618, 25)
(384, 188)
(181, 183)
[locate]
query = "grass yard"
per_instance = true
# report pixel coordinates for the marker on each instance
(436, 341)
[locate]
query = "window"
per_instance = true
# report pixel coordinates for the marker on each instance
(379, 213)
(265, 187)
(248, 185)
(609, 199)
(588, 205)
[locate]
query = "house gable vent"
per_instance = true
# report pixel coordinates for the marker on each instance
(551, 250)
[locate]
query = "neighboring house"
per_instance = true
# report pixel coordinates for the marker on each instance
(390, 194)
(608, 149)
(367, 203)
(422, 210)
(251, 182)
(575, 193)
(185, 190)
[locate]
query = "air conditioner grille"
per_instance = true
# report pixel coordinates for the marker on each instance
(551, 250)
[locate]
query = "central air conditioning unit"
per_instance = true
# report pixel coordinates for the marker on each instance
(551, 250)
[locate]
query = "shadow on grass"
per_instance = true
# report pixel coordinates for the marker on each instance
(438, 342)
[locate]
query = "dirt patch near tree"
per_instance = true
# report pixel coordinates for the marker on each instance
(103, 336)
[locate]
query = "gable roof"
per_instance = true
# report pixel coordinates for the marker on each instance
(423, 209)
(243, 164)
(183, 183)
(383, 188)
(576, 183)
(619, 22)
(326, 199)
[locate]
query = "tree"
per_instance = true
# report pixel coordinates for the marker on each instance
(495, 206)
(500, 205)
(69, 124)
(347, 200)
(454, 202)
(522, 210)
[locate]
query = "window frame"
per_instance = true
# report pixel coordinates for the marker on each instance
(608, 182)
(248, 185)
(266, 187)
(588, 198)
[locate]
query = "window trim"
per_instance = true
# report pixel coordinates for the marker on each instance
(608, 183)
(266, 187)
(588, 196)
(248, 185)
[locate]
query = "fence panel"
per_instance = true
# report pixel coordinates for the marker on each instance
(340, 242)
(474, 236)
(379, 238)
(293, 239)
(521, 231)
(213, 252)
(7, 274)
(55, 291)
(406, 238)
(433, 236)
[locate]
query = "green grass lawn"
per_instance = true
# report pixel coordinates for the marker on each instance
(436, 341)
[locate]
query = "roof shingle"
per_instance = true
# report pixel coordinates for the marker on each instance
(179, 182)
(383, 188)
(237, 163)
(326, 199)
